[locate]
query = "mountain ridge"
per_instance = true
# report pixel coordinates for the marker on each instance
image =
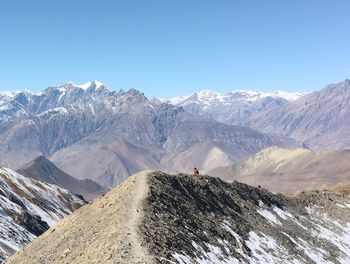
(198, 219)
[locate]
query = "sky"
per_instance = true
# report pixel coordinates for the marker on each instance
(166, 48)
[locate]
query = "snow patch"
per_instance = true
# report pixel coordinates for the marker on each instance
(282, 214)
(269, 216)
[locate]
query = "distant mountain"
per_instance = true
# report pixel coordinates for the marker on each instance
(155, 217)
(321, 119)
(43, 170)
(290, 170)
(91, 132)
(28, 208)
(233, 107)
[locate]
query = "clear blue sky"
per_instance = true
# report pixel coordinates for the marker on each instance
(173, 47)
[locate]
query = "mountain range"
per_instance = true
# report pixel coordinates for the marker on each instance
(90, 132)
(186, 219)
(28, 208)
(320, 119)
(93, 133)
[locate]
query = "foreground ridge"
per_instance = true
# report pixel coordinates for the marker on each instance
(154, 217)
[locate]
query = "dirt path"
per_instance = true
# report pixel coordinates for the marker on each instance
(105, 231)
(135, 214)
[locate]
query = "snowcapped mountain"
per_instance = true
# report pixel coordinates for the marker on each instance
(208, 97)
(91, 132)
(233, 106)
(28, 208)
(321, 119)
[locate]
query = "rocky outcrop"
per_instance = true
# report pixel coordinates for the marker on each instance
(155, 217)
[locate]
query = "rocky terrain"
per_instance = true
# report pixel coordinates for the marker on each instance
(198, 219)
(28, 208)
(43, 170)
(290, 170)
(320, 119)
(93, 133)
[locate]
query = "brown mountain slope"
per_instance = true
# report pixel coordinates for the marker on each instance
(45, 171)
(289, 170)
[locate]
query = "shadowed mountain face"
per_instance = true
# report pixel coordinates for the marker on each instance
(186, 219)
(91, 132)
(290, 170)
(28, 208)
(43, 170)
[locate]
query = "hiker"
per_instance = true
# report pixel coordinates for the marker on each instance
(195, 171)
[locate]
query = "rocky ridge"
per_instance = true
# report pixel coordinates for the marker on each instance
(186, 219)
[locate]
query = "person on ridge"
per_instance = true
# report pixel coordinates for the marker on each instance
(195, 171)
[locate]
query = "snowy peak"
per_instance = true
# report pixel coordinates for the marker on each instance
(234, 107)
(208, 96)
(94, 84)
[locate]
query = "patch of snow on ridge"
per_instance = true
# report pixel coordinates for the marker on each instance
(233, 233)
(331, 230)
(182, 259)
(282, 214)
(213, 255)
(264, 249)
(316, 254)
(269, 216)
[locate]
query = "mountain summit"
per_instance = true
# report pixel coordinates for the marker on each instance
(155, 217)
